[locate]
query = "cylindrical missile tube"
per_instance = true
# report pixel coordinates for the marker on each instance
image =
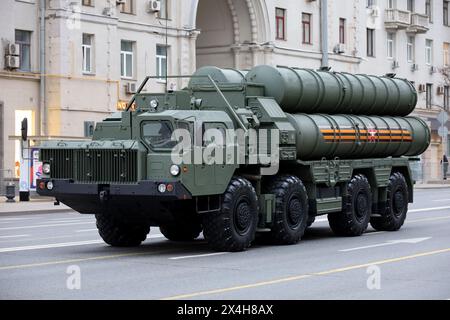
(309, 91)
(321, 136)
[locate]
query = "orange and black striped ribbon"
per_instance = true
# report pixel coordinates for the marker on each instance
(370, 135)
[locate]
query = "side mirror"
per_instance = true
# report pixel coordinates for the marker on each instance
(24, 129)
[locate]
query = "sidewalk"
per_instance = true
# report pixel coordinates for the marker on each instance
(35, 205)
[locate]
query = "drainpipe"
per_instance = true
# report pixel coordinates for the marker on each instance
(42, 106)
(324, 32)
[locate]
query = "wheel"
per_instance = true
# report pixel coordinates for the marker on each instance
(188, 231)
(233, 228)
(356, 209)
(291, 209)
(396, 207)
(118, 233)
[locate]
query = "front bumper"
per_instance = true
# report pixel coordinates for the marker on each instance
(63, 188)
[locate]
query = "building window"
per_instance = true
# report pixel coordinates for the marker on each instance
(428, 51)
(390, 45)
(164, 12)
(429, 91)
(410, 5)
(127, 6)
(306, 28)
(126, 59)
(446, 97)
(446, 54)
(428, 10)
(89, 3)
(370, 42)
(161, 62)
(445, 13)
(23, 39)
(410, 49)
(391, 4)
(87, 52)
(370, 3)
(280, 23)
(341, 30)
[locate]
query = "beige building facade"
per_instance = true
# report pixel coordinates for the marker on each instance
(98, 51)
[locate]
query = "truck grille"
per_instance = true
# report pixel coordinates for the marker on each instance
(61, 162)
(106, 166)
(92, 165)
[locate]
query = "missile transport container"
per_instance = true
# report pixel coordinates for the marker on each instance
(241, 153)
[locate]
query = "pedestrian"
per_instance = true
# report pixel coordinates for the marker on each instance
(444, 163)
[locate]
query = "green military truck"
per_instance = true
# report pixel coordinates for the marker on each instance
(337, 144)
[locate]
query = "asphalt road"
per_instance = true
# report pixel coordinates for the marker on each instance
(43, 255)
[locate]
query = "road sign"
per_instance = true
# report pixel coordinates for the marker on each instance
(443, 117)
(443, 132)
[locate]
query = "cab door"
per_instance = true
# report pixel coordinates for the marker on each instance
(209, 172)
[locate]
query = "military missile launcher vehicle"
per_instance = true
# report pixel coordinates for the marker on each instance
(240, 153)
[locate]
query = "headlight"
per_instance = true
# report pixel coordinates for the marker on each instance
(174, 170)
(154, 104)
(49, 185)
(162, 187)
(46, 168)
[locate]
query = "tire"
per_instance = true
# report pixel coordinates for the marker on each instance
(356, 209)
(233, 228)
(117, 233)
(291, 209)
(396, 207)
(181, 232)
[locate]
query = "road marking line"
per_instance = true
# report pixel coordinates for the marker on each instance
(371, 233)
(68, 220)
(50, 263)
(155, 236)
(86, 230)
(387, 243)
(14, 219)
(428, 209)
(9, 221)
(15, 236)
(304, 276)
(448, 199)
(427, 219)
(46, 225)
(53, 245)
(199, 255)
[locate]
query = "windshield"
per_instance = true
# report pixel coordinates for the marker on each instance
(158, 134)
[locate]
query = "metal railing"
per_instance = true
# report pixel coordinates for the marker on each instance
(429, 172)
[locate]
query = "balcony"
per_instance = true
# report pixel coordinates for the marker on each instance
(397, 19)
(419, 23)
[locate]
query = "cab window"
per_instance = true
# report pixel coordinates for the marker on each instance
(158, 134)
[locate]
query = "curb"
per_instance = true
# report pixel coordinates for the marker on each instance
(30, 212)
(431, 187)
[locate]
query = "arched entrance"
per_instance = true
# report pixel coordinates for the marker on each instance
(233, 33)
